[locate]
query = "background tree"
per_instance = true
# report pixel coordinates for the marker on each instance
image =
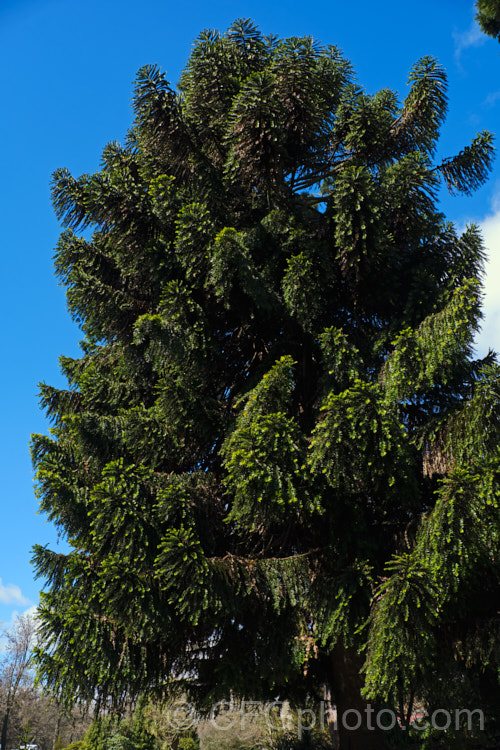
(488, 17)
(28, 716)
(38, 719)
(276, 448)
(14, 668)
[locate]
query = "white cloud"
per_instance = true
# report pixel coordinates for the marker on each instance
(473, 37)
(492, 99)
(14, 616)
(6, 627)
(490, 333)
(11, 594)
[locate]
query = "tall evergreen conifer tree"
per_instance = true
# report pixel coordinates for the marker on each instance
(276, 461)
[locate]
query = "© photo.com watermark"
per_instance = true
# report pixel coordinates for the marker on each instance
(226, 715)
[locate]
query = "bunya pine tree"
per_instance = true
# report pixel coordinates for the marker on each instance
(276, 459)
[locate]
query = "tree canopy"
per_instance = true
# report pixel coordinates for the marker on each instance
(277, 448)
(488, 17)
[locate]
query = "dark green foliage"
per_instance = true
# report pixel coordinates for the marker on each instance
(488, 17)
(276, 442)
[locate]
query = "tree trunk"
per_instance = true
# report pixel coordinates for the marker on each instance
(5, 724)
(330, 713)
(56, 731)
(356, 719)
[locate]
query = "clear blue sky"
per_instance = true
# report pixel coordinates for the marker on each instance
(67, 68)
